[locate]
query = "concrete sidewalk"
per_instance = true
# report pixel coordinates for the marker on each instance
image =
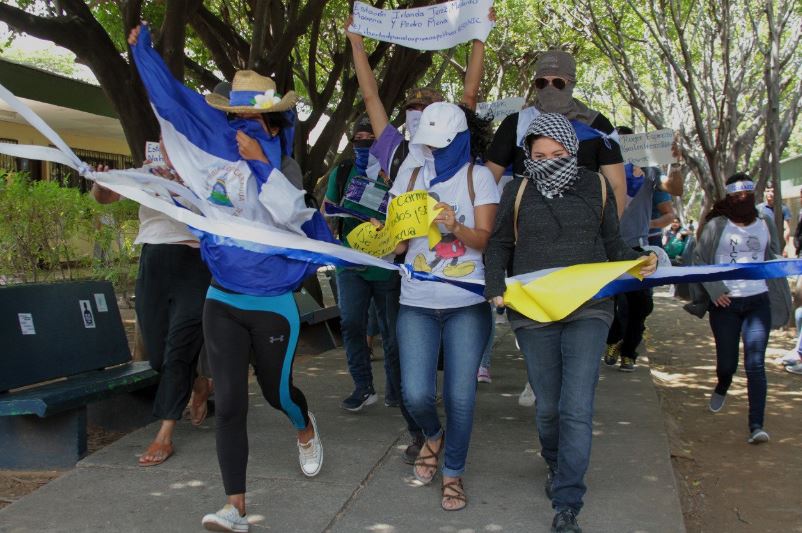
(364, 486)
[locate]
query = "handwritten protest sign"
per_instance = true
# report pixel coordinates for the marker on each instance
(648, 149)
(500, 108)
(153, 153)
(437, 27)
(410, 215)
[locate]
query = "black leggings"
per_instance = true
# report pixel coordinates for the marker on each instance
(234, 326)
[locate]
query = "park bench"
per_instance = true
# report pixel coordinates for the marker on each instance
(320, 326)
(63, 348)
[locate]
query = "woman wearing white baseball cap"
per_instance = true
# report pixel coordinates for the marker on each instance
(432, 311)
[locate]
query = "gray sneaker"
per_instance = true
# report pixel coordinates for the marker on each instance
(717, 401)
(794, 369)
(758, 436)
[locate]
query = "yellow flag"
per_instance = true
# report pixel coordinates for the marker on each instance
(409, 215)
(558, 294)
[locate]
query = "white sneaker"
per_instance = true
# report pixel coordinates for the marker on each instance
(527, 396)
(310, 455)
(226, 519)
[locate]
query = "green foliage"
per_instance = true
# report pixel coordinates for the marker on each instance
(48, 232)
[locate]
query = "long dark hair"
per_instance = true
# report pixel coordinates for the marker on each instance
(481, 131)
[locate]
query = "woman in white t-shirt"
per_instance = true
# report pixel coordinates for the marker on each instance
(736, 233)
(432, 312)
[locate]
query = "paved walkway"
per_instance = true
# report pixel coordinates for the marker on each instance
(364, 486)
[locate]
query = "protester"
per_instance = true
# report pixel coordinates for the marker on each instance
(555, 80)
(357, 286)
(249, 305)
(661, 215)
(767, 209)
(483, 375)
(674, 241)
(632, 308)
(797, 240)
(572, 213)
(468, 196)
(737, 232)
(170, 291)
(393, 152)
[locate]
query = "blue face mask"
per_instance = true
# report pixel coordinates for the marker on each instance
(449, 159)
(634, 183)
(361, 156)
(271, 146)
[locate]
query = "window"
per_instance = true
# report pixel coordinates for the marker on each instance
(6, 161)
(69, 178)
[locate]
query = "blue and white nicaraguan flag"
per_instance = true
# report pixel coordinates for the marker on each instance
(201, 145)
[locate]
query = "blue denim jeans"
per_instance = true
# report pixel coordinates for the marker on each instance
(749, 317)
(562, 360)
(463, 332)
(355, 294)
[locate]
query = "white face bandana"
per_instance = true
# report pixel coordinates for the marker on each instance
(413, 119)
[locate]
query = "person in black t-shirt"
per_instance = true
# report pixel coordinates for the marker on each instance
(555, 78)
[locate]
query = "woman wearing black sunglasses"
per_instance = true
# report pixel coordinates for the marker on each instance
(555, 78)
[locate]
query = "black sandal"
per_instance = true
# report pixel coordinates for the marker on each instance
(422, 460)
(458, 493)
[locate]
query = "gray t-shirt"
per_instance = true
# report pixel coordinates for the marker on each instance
(638, 213)
(292, 170)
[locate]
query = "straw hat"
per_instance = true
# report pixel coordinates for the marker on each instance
(252, 93)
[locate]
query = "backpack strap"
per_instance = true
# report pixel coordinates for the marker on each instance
(471, 191)
(518, 198)
(413, 179)
(604, 196)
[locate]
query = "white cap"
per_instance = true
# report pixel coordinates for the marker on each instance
(439, 124)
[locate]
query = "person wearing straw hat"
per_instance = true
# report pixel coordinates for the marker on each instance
(232, 162)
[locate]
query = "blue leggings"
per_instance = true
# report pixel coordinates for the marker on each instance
(236, 325)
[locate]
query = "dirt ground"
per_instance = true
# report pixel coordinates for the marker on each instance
(726, 485)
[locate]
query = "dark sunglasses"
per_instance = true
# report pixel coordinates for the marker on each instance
(557, 83)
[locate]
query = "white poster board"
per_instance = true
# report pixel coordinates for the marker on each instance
(500, 108)
(648, 149)
(437, 27)
(153, 153)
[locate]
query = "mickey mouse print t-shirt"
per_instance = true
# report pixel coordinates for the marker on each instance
(744, 244)
(450, 258)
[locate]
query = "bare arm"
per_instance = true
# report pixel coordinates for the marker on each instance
(367, 82)
(675, 183)
(473, 75)
(666, 217)
(103, 195)
(475, 237)
(617, 177)
(496, 169)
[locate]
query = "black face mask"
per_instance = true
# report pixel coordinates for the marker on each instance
(739, 210)
(363, 143)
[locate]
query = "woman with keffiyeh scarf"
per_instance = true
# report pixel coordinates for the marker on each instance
(565, 212)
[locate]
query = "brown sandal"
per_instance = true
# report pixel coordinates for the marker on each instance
(457, 493)
(198, 402)
(161, 452)
(423, 460)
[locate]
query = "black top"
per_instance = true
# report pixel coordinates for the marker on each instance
(592, 153)
(557, 232)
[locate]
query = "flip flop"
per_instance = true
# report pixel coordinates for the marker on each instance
(162, 451)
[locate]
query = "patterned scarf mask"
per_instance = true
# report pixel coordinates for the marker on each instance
(552, 177)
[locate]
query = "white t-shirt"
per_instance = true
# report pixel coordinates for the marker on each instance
(743, 245)
(450, 258)
(158, 228)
